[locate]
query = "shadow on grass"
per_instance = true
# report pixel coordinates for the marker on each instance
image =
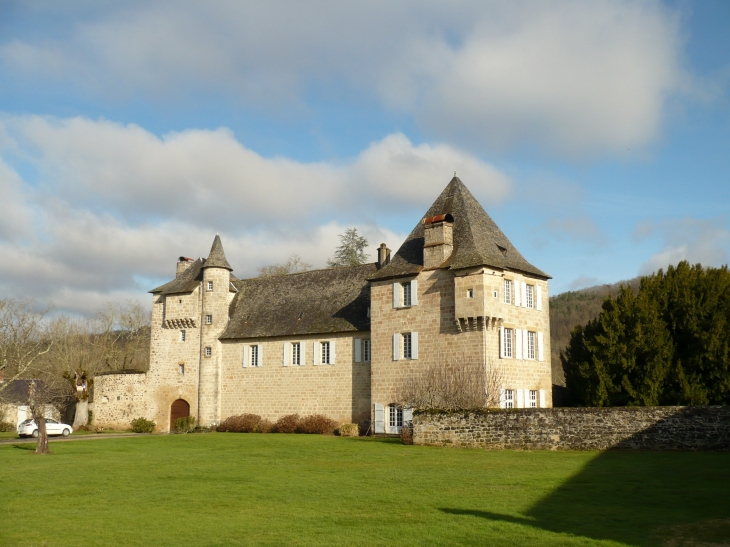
(26, 446)
(640, 498)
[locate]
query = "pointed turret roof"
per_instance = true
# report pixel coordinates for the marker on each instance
(217, 258)
(477, 239)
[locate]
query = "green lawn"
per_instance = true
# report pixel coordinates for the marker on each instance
(247, 489)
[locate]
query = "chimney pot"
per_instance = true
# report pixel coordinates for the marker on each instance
(383, 255)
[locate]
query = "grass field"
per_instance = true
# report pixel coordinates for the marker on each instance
(248, 489)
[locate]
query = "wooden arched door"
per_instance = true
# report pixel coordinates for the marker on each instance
(179, 409)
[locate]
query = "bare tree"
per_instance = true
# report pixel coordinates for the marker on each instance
(47, 390)
(294, 264)
(23, 338)
(456, 383)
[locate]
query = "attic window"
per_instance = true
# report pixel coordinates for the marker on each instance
(502, 250)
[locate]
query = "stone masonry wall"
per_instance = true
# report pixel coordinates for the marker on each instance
(642, 428)
(439, 338)
(119, 398)
(340, 391)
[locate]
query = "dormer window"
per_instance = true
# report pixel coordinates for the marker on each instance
(210, 285)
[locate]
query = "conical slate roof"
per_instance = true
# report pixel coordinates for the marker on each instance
(477, 239)
(217, 258)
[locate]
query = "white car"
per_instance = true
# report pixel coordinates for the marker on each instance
(29, 428)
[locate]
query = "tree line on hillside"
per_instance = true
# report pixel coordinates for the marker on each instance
(668, 343)
(59, 355)
(573, 308)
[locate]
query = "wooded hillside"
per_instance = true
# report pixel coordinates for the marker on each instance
(573, 308)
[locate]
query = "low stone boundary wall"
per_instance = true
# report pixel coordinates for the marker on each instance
(641, 428)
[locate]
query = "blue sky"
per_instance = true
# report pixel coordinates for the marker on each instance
(596, 134)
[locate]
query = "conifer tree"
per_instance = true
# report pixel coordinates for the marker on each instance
(667, 344)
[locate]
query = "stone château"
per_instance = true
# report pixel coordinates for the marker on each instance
(341, 341)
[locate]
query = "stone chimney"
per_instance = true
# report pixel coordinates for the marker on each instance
(383, 256)
(438, 240)
(183, 263)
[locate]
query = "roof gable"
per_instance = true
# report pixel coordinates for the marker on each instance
(478, 241)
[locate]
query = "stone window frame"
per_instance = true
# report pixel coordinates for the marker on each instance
(325, 355)
(508, 291)
(296, 354)
(531, 345)
(209, 319)
(182, 335)
(210, 285)
(366, 350)
(529, 296)
(181, 368)
(405, 294)
(470, 293)
(208, 352)
(509, 398)
(507, 343)
(532, 399)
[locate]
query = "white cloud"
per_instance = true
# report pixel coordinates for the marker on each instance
(704, 241)
(572, 76)
(111, 206)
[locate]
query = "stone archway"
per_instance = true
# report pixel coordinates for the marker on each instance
(179, 409)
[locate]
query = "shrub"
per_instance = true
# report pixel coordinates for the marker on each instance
(242, 423)
(265, 426)
(185, 425)
(143, 425)
(349, 430)
(6, 427)
(287, 424)
(406, 435)
(318, 424)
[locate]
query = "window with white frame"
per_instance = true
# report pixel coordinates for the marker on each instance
(532, 399)
(208, 352)
(296, 353)
(530, 345)
(507, 291)
(182, 335)
(529, 296)
(406, 293)
(210, 285)
(395, 418)
(507, 342)
(208, 319)
(407, 345)
(325, 353)
(254, 356)
(366, 350)
(509, 398)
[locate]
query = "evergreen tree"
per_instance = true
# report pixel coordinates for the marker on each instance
(667, 344)
(351, 251)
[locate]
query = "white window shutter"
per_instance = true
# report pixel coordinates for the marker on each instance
(538, 297)
(414, 292)
(358, 350)
(303, 353)
(523, 296)
(244, 364)
(316, 353)
(407, 415)
(396, 346)
(379, 426)
(540, 353)
(518, 292)
(414, 345)
(260, 356)
(542, 398)
(520, 399)
(518, 343)
(396, 295)
(501, 342)
(287, 353)
(502, 398)
(333, 352)
(525, 345)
